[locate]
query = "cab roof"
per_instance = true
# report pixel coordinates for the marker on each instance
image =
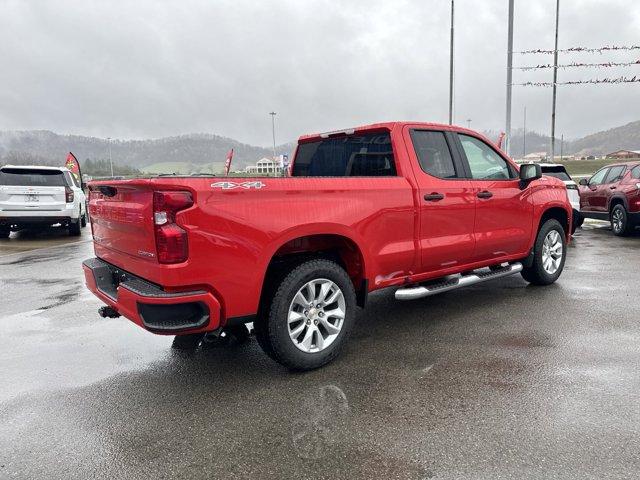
(389, 126)
(35, 167)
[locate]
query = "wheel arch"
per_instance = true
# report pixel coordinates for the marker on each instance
(618, 200)
(294, 249)
(558, 213)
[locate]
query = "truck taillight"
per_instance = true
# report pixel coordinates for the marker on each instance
(171, 240)
(68, 193)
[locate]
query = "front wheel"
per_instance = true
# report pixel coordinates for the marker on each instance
(549, 254)
(309, 317)
(620, 221)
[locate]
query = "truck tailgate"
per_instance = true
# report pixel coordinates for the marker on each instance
(122, 219)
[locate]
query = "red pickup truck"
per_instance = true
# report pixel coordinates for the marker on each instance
(421, 207)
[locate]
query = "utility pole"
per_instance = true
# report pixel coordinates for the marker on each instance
(561, 145)
(469, 123)
(509, 78)
(555, 86)
(451, 51)
(524, 134)
(273, 132)
(110, 162)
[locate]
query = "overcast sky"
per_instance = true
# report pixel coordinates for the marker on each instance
(147, 68)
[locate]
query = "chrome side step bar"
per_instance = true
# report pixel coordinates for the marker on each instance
(448, 283)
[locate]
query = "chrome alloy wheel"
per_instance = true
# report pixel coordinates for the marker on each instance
(316, 315)
(552, 252)
(617, 220)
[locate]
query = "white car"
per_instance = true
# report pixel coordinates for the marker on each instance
(559, 171)
(39, 197)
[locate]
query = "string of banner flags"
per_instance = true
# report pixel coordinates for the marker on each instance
(593, 81)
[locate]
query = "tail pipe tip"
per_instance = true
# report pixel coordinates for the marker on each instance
(108, 312)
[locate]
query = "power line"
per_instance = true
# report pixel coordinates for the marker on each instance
(580, 65)
(607, 48)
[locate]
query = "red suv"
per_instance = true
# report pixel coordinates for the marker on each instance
(613, 193)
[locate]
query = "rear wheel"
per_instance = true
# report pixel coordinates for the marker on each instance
(83, 219)
(549, 253)
(74, 228)
(620, 221)
(309, 317)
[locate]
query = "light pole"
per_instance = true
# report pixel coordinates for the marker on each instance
(110, 162)
(451, 50)
(507, 145)
(469, 123)
(524, 134)
(555, 79)
(273, 132)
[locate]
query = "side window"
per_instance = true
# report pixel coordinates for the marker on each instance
(483, 160)
(368, 155)
(598, 177)
(635, 173)
(433, 153)
(615, 173)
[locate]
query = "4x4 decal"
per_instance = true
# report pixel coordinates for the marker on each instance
(232, 185)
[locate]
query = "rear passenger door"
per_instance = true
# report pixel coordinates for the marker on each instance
(504, 215)
(446, 200)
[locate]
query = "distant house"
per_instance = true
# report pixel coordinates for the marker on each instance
(536, 156)
(624, 154)
(264, 166)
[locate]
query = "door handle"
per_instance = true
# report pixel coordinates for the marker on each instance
(485, 194)
(612, 187)
(433, 197)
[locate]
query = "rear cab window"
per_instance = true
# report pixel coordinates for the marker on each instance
(31, 177)
(635, 173)
(360, 155)
(434, 155)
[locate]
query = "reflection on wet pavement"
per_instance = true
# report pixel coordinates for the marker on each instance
(500, 380)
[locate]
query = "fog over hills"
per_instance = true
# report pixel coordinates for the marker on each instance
(203, 149)
(45, 147)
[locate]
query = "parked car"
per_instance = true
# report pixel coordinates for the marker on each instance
(39, 197)
(423, 208)
(613, 193)
(558, 170)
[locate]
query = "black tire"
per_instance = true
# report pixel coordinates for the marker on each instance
(578, 219)
(74, 228)
(4, 232)
(272, 328)
(187, 342)
(536, 274)
(83, 219)
(620, 221)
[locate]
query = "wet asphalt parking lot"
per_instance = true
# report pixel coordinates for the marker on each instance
(500, 380)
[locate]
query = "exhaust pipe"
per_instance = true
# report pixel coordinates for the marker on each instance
(108, 312)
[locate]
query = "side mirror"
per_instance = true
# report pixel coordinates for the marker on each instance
(530, 172)
(584, 182)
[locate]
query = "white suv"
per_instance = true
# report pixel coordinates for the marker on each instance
(33, 196)
(559, 171)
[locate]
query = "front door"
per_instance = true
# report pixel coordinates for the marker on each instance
(446, 200)
(504, 215)
(593, 197)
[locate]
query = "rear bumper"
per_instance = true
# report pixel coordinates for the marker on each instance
(148, 305)
(70, 211)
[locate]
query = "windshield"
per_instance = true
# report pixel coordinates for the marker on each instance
(31, 177)
(557, 172)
